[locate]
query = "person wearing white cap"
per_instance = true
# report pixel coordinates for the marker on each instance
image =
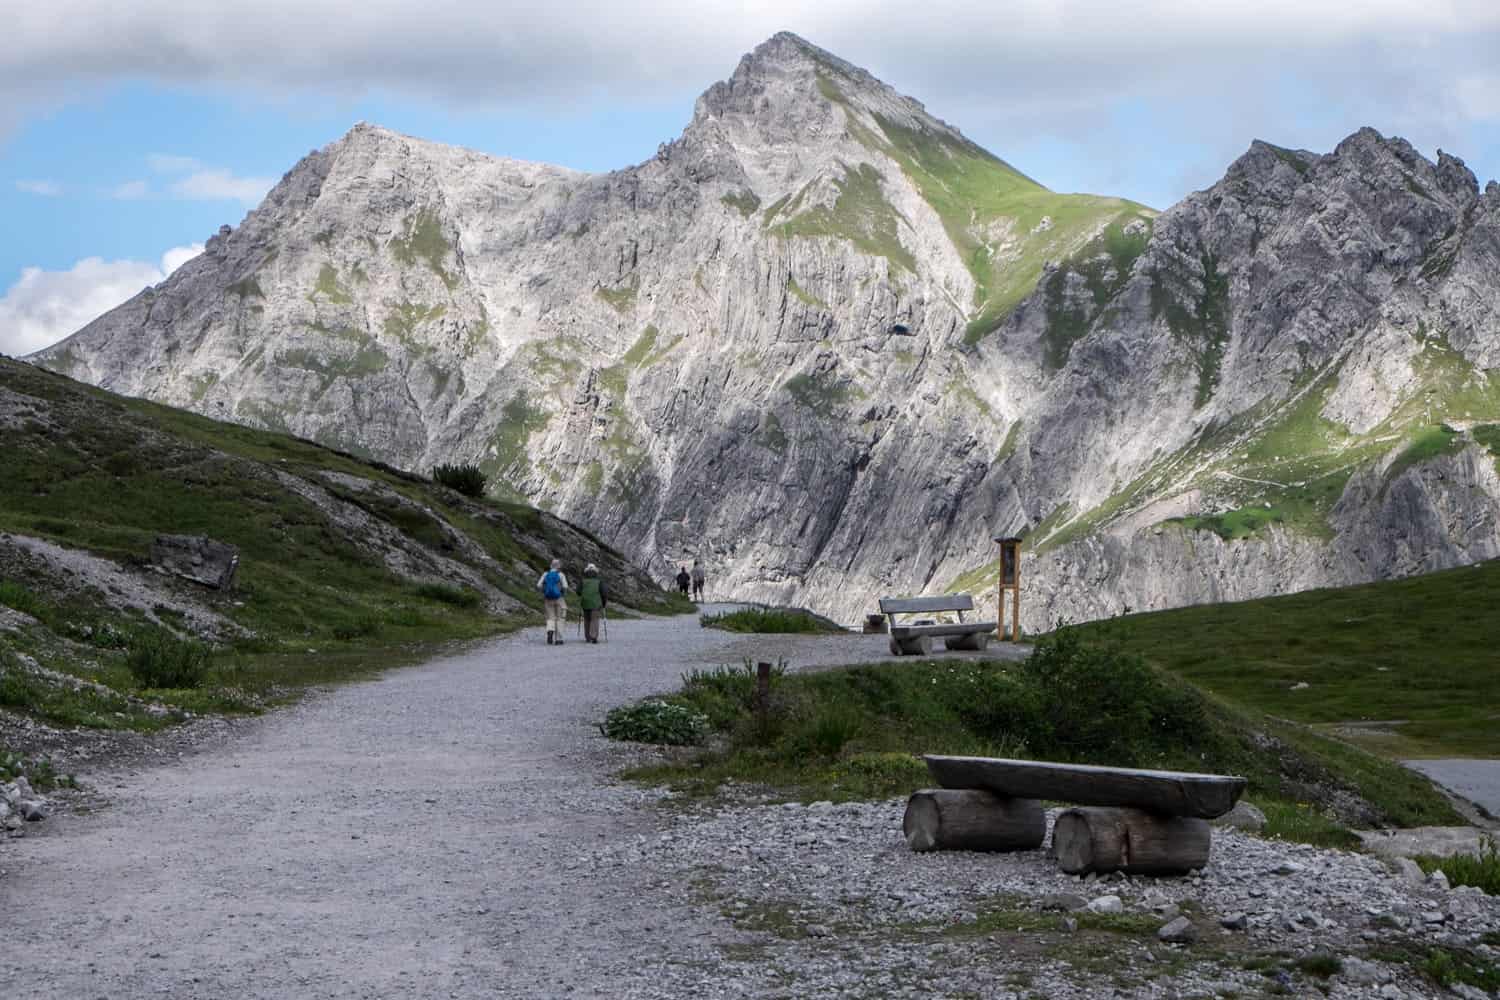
(594, 597)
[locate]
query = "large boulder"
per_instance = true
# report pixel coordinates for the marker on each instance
(197, 558)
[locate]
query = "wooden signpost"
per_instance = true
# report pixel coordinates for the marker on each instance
(1010, 579)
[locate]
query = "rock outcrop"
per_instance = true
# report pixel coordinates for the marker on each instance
(830, 346)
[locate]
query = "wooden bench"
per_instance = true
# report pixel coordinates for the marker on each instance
(917, 639)
(1133, 821)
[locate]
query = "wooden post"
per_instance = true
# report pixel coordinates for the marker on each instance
(1010, 579)
(762, 689)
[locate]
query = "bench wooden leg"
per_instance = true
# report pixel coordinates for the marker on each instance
(1133, 841)
(976, 641)
(920, 645)
(950, 819)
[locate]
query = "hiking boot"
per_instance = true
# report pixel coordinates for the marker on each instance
(559, 639)
(549, 636)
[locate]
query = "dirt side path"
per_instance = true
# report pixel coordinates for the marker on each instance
(423, 834)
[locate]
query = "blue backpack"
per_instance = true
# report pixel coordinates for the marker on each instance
(552, 585)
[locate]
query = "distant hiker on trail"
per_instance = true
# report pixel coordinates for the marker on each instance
(594, 597)
(553, 585)
(683, 580)
(697, 580)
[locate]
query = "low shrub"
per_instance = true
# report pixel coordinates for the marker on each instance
(769, 621)
(359, 628)
(1480, 870)
(38, 772)
(158, 659)
(459, 597)
(18, 598)
(655, 721)
(466, 479)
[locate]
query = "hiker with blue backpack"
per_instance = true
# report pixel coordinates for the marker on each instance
(553, 585)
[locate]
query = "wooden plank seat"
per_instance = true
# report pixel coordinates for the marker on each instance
(1169, 793)
(917, 639)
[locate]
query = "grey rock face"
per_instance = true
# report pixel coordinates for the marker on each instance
(829, 346)
(194, 557)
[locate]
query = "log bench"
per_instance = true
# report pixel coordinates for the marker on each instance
(917, 639)
(1128, 820)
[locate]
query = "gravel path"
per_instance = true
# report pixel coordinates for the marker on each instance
(451, 830)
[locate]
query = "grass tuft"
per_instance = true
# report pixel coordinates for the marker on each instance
(770, 620)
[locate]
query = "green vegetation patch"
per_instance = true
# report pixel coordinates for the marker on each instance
(1104, 266)
(860, 214)
(329, 287)
(654, 721)
(1480, 870)
(518, 421)
(820, 393)
(1419, 650)
(642, 348)
(621, 298)
(404, 318)
(1197, 314)
(424, 241)
(770, 621)
(1234, 525)
(803, 295)
(1425, 444)
(1004, 225)
(329, 367)
(744, 202)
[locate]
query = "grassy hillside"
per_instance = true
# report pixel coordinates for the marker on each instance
(859, 733)
(1409, 667)
(345, 566)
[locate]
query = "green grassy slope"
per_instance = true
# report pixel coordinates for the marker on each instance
(1004, 225)
(345, 566)
(1420, 650)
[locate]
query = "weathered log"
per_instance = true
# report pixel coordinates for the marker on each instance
(920, 645)
(1132, 841)
(1175, 793)
(946, 819)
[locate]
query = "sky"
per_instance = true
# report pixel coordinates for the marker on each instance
(130, 132)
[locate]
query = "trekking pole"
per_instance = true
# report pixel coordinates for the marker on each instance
(604, 620)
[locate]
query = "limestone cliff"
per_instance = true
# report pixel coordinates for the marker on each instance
(830, 346)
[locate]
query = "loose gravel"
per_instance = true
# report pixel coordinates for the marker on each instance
(453, 830)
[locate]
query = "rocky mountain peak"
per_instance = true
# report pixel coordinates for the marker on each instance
(831, 345)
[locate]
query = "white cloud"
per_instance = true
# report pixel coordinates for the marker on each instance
(166, 163)
(131, 191)
(43, 307)
(178, 256)
(478, 52)
(218, 184)
(47, 189)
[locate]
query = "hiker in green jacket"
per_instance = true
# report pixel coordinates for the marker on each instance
(594, 597)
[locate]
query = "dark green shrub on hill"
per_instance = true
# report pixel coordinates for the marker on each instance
(770, 621)
(459, 597)
(466, 479)
(1102, 704)
(158, 659)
